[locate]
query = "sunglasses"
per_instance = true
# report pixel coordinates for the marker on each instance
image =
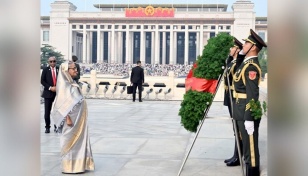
(52, 61)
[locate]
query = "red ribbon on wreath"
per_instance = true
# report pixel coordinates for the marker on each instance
(200, 84)
(190, 73)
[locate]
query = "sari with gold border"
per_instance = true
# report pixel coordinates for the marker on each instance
(76, 150)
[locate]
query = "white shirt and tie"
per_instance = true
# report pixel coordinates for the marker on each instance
(54, 76)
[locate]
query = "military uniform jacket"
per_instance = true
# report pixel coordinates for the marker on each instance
(228, 75)
(232, 65)
(246, 82)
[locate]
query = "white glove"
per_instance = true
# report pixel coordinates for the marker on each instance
(249, 126)
(241, 52)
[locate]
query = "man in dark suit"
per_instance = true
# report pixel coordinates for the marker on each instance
(137, 79)
(49, 80)
(75, 58)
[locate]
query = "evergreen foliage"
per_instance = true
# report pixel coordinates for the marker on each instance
(48, 51)
(209, 66)
(214, 57)
(256, 109)
(192, 108)
(263, 61)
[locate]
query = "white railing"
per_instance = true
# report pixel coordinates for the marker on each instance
(119, 91)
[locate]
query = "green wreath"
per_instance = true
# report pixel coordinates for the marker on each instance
(209, 66)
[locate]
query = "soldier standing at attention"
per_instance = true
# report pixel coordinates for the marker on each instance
(232, 61)
(246, 88)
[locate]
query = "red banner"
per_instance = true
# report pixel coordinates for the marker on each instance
(190, 73)
(149, 11)
(201, 85)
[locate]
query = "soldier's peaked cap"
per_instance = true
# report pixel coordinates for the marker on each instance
(237, 43)
(255, 39)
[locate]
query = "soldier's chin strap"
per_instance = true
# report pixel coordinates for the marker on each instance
(234, 52)
(249, 48)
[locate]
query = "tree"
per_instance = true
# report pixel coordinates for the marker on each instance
(48, 51)
(263, 61)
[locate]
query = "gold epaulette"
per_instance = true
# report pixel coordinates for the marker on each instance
(241, 75)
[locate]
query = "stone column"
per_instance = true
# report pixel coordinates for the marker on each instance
(109, 47)
(89, 36)
(120, 47)
(153, 47)
(243, 19)
(197, 44)
(127, 53)
(164, 49)
(60, 26)
(142, 44)
(201, 40)
(175, 45)
(112, 44)
(116, 49)
(70, 45)
(171, 52)
(84, 44)
(216, 29)
(156, 45)
(186, 45)
(102, 47)
(99, 47)
(131, 45)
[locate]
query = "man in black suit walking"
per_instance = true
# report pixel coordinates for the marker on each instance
(137, 79)
(49, 80)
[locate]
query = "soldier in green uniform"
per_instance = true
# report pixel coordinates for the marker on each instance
(246, 88)
(233, 61)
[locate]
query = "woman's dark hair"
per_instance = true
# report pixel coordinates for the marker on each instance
(74, 58)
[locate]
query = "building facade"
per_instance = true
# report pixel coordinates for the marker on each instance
(154, 34)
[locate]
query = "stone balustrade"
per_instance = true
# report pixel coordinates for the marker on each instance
(97, 90)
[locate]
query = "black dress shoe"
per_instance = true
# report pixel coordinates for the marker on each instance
(140, 100)
(235, 154)
(228, 160)
(55, 130)
(133, 100)
(234, 162)
(47, 130)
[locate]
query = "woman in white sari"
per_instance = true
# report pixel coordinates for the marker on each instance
(70, 114)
